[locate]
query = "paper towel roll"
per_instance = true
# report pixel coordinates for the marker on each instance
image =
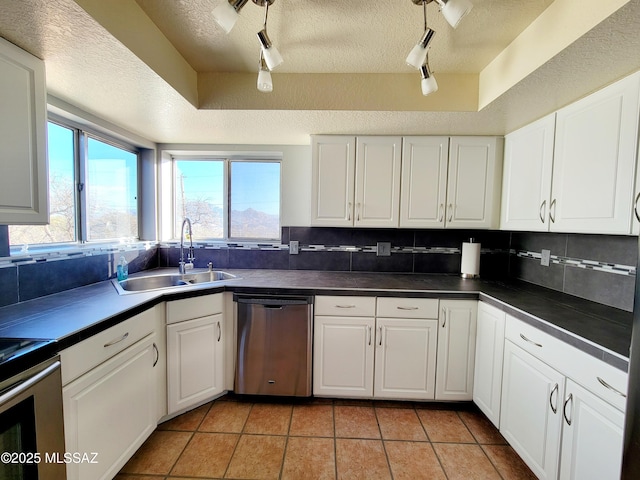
(470, 265)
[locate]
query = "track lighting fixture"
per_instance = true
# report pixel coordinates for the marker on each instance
(453, 11)
(226, 14)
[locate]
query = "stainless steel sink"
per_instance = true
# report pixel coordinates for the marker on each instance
(160, 281)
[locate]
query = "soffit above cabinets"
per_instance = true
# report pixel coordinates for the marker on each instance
(164, 70)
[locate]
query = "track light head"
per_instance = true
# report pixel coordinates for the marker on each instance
(428, 84)
(271, 55)
(454, 10)
(418, 55)
(227, 13)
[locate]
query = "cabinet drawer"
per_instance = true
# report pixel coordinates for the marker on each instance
(392, 307)
(85, 355)
(600, 378)
(196, 307)
(345, 306)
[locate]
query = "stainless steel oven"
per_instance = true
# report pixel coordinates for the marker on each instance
(31, 424)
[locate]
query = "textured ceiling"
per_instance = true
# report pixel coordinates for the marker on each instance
(339, 36)
(147, 65)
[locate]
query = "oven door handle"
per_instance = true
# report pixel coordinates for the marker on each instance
(28, 383)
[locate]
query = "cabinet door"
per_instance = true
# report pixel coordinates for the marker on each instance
(195, 362)
(423, 192)
(343, 356)
(405, 358)
(111, 410)
(456, 349)
(531, 410)
(526, 185)
(487, 380)
(594, 161)
(592, 436)
(377, 181)
(24, 195)
(333, 163)
(473, 188)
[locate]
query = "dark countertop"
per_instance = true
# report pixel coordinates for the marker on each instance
(74, 315)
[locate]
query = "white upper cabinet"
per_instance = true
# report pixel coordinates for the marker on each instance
(333, 163)
(528, 164)
(446, 182)
(594, 161)
(355, 182)
(473, 188)
(377, 196)
(23, 124)
(424, 181)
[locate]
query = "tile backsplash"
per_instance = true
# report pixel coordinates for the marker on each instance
(601, 268)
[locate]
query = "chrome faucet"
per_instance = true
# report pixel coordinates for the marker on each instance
(182, 265)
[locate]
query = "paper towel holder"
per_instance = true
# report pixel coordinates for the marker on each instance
(470, 259)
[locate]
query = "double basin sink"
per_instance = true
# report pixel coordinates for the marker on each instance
(170, 280)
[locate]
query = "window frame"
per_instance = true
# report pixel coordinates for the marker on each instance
(81, 135)
(226, 160)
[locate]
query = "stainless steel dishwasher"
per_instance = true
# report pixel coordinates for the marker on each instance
(274, 345)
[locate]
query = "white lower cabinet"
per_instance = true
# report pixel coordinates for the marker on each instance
(487, 380)
(592, 436)
(405, 358)
(111, 410)
(562, 409)
(531, 411)
(343, 356)
(110, 394)
(195, 351)
(383, 348)
(456, 349)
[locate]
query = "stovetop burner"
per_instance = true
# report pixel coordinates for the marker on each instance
(11, 348)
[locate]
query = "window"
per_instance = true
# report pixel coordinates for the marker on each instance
(228, 198)
(62, 200)
(111, 191)
(93, 191)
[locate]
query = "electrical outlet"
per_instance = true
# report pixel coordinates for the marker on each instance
(383, 249)
(294, 247)
(546, 258)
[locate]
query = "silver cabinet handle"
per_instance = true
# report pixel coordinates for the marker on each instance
(554, 409)
(444, 317)
(615, 390)
(530, 341)
(450, 208)
(407, 308)
(358, 211)
(113, 342)
(552, 206)
(564, 409)
(635, 207)
(369, 331)
(345, 306)
(441, 214)
(380, 336)
(542, 210)
(349, 212)
(219, 332)
(155, 347)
